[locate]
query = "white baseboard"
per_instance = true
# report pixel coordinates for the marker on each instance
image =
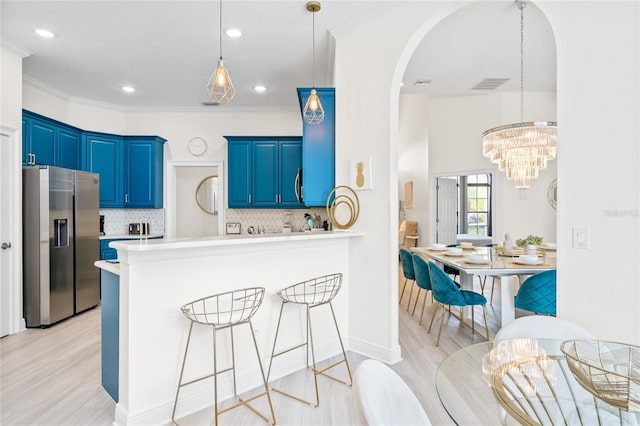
(375, 351)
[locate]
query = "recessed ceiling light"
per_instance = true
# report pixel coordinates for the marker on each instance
(233, 33)
(259, 89)
(401, 83)
(128, 89)
(44, 33)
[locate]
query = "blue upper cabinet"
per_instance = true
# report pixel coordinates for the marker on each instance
(265, 191)
(290, 178)
(103, 154)
(263, 171)
(69, 148)
(318, 149)
(143, 171)
(239, 173)
(48, 142)
(130, 169)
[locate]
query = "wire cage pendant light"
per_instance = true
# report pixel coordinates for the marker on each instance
(522, 149)
(313, 112)
(220, 87)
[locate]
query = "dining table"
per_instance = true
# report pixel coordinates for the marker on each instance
(506, 265)
(474, 386)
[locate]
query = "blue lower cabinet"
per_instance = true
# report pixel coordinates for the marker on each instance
(110, 315)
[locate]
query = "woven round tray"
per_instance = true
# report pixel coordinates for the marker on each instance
(609, 370)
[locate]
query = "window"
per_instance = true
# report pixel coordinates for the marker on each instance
(476, 191)
(463, 208)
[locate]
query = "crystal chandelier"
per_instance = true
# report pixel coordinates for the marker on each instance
(220, 87)
(521, 149)
(313, 112)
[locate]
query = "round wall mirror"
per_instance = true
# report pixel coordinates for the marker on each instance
(207, 195)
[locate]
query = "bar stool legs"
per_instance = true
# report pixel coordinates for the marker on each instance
(226, 310)
(313, 293)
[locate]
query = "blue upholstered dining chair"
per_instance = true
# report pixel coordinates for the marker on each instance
(538, 293)
(445, 292)
(407, 271)
(423, 280)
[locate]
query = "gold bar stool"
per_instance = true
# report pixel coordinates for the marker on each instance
(311, 293)
(221, 311)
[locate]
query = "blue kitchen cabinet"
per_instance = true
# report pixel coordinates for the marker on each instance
(143, 171)
(263, 171)
(49, 142)
(68, 148)
(290, 173)
(42, 144)
(239, 173)
(103, 154)
(106, 252)
(318, 149)
(130, 168)
(265, 174)
(110, 332)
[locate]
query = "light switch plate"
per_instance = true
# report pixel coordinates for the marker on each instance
(233, 228)
(580, 237)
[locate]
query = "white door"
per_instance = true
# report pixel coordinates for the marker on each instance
(447, 212)
(6, 243)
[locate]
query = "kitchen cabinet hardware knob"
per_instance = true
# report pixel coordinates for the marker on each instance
(5, 245)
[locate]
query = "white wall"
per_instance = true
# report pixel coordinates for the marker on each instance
(598, 162)
(413, 160)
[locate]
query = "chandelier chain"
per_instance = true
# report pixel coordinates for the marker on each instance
(220, 29)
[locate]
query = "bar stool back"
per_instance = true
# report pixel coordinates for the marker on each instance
(222, 311)
(311, 293)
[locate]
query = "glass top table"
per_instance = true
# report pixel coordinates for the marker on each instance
(557, 398)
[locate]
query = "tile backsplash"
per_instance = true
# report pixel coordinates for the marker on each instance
(116, 221)
(272, 219)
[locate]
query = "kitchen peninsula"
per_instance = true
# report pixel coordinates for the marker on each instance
(157, 277)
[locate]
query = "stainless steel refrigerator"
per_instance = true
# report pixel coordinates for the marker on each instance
(61, 225)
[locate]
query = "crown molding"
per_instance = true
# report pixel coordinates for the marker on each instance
(195, 109)
(14, 48)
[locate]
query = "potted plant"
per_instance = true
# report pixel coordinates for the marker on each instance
(530, 243)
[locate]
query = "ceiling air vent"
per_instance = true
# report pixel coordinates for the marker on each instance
(490, 84)
(419, 83)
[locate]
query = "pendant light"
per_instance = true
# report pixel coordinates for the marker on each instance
(220, 87)
(521, 149)
(313, 112)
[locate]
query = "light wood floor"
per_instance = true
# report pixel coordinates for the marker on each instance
(52, 376)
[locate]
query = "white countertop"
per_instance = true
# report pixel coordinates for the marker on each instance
(227, 240)
(128, 236)
(112, 267)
